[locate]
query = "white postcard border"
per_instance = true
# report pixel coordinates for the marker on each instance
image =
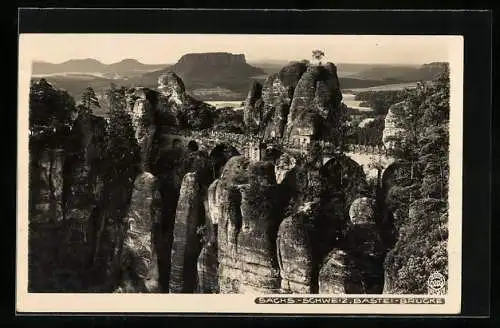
(219, 303)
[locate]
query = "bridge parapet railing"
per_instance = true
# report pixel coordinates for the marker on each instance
(370, 149)
(326, 146)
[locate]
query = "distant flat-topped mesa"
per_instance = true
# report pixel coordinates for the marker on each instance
(214, 66)
(212, 58)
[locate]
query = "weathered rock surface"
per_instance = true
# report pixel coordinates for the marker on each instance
(334, 273)
(365, 249)
(142, 109)
(256, 241)
(213, 200)
(391, 131)
(186, 244)
(171, 166)
(284, 164)
(277, 96)
(252, 111)
(46, 185)
(247, 206)
(172, 99)
(139, 256)
(296, 254)
(395, 179)
(208, 266)
(316, 102)
(208, 263)
(171, 86)
(83, 180)
(362, 211)
(175, 106)
(229, 224)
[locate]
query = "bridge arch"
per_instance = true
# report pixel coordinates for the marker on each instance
(397, 170)
(193, 145)
(338, 168)
(373, 163)
(219, 156)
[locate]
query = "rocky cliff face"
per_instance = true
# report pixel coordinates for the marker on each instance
(175, 106)
(186, 243)
(228, 199)
(390, 134)
(83, 182)
(256, 242)
(334, 274)
(139, 255)
(317, 98)
(244, 205)
(170, 168)
(143, 111)
(46, 185)
(172, 88)
(296, 254)
(213, 199)
(299, 101)
(208, 262)
(267, 106)
(284, 164)
(252, 111)
(277, 95)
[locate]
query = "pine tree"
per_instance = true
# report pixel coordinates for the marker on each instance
(434, 139)
(421, 246)
(122, 150)
(116, 98)
(89, 100)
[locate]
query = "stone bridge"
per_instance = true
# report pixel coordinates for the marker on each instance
(207, 141)
(370, 158)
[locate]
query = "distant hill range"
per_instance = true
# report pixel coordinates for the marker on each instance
(375, 72)
(93, 66)
(213, 76)
(392, 73)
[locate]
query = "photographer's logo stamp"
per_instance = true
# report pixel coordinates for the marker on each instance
(436, 283)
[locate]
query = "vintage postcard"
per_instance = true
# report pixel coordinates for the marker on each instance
(231, 173)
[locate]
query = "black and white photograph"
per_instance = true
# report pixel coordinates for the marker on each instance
(260, 167)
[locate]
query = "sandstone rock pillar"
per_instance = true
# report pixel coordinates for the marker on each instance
(186, 243)
(295, 255)
(208, 262)
(257, 239)
(139, 258)
(46, 185)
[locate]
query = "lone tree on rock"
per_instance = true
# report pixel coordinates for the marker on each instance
(317, 55)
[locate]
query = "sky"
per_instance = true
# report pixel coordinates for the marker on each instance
(168, 48)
